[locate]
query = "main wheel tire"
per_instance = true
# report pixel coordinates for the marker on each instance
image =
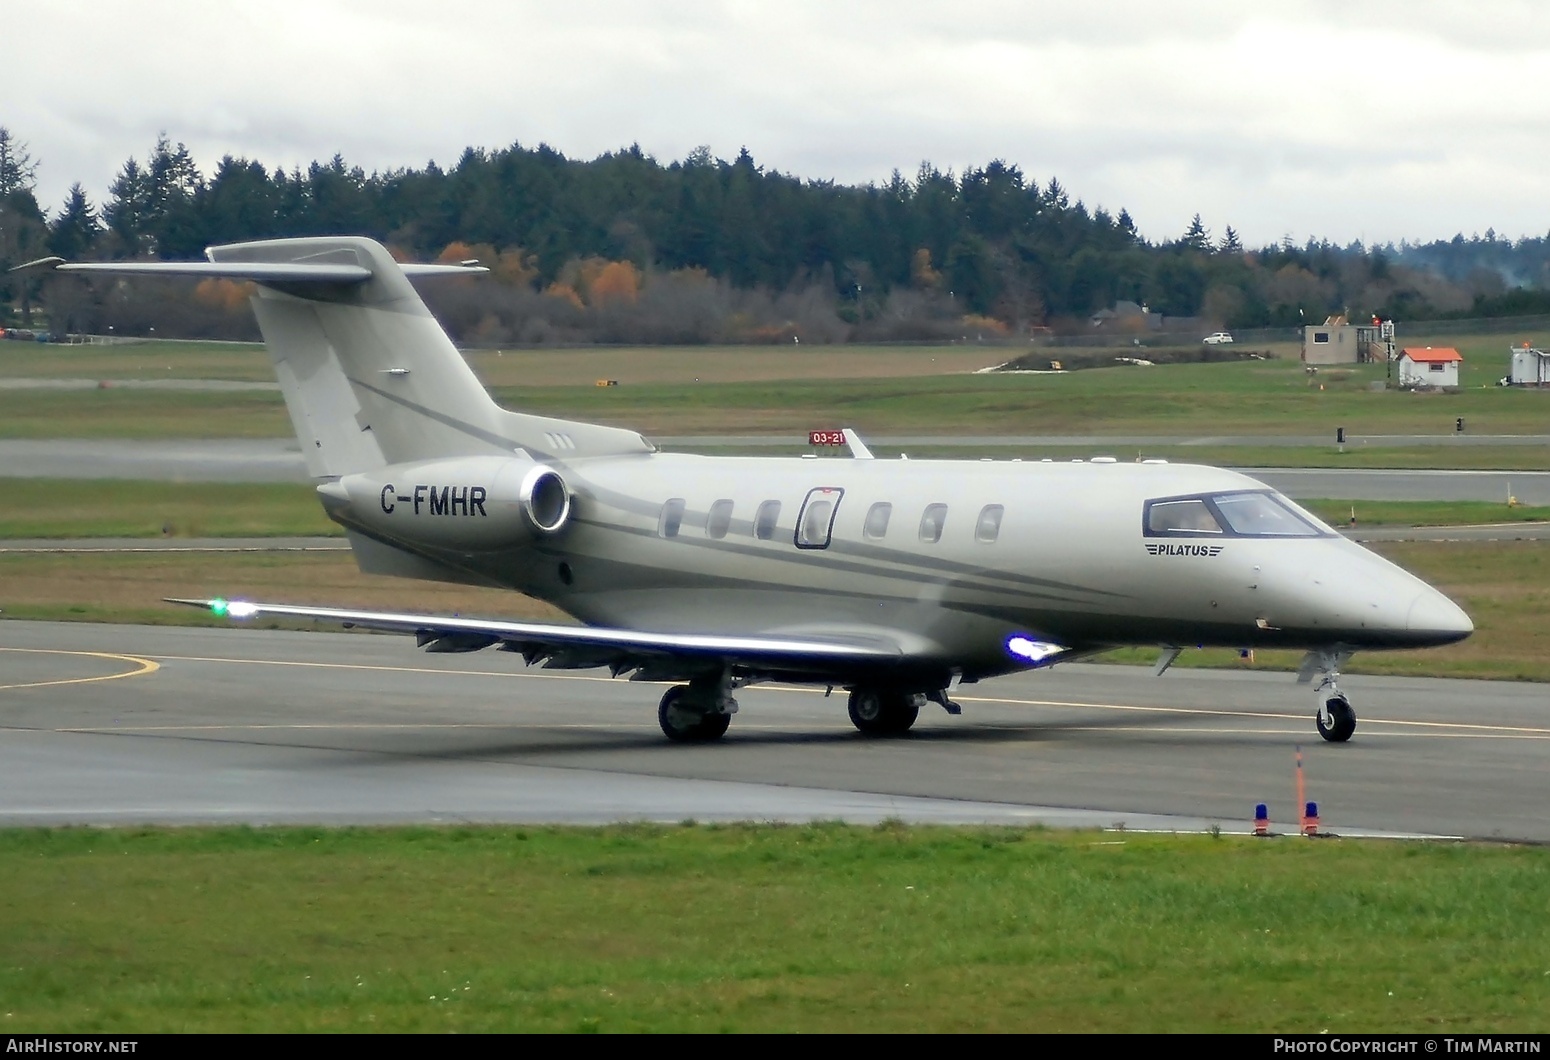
(683, 725)
(882, 712)
(1342, 720)
(714, 726)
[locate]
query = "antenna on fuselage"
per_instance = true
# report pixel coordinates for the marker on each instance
(858, 448)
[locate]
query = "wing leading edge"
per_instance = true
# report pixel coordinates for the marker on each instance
(651, 656)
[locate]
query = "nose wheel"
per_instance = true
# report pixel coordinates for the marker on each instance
(1335, 719)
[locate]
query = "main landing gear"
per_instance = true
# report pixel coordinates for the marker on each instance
(701, 710)
(1335, 718)
(884, 711)
(697, 712)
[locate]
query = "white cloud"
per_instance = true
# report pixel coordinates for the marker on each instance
(1380, 120)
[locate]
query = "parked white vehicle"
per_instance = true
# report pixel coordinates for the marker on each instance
(1217, 338)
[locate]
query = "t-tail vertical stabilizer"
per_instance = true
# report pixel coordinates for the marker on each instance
(370, 378)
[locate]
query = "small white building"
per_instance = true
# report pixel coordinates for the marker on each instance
(1530, 367)
(1430, 367)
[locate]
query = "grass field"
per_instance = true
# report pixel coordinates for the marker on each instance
(140, 360)
(129, 587)
(1423, 513)
(117, 413)
(1187, 400)
(763, 928)
(878, 390)
(124, 508)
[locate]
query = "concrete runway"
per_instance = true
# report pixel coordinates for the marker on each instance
(117, 724)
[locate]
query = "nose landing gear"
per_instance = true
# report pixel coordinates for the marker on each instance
(1336, 720)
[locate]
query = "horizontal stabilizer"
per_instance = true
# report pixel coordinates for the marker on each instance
(260, 271)
(265, 272)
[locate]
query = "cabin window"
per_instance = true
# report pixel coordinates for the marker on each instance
(1434, 367)
(1187, 516)
(816, 522)
(1320, 338)
(876, 525)
(1261, 515)
(931, 522)
(764, 520)
(988, 528)
(718, 520)
(671, 519)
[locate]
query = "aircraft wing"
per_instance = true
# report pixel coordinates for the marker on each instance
(653, 656)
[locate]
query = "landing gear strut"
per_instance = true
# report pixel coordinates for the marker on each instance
(697, 712)
(1336, 720)
(884, 711)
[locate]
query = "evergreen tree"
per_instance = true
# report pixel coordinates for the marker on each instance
(18, 172)
(128, 209)
(75, 230)
(1196, 236)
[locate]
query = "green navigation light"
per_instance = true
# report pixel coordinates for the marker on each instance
(218, 606)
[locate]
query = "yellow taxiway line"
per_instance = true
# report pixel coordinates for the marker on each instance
(141, 668)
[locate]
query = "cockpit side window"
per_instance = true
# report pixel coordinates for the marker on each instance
(1187, 515)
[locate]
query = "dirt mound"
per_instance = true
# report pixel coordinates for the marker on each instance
(1071, 360)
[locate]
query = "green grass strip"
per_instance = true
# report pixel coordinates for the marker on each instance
(763, 928)
(51, 508)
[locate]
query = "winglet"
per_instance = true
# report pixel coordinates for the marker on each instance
(218, 606)
(858, 449)
(51, 262)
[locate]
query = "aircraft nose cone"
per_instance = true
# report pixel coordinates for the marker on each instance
(1435, 619)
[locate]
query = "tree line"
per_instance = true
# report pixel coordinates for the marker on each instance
(625, 248)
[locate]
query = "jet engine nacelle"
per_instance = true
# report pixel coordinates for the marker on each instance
(479, 502)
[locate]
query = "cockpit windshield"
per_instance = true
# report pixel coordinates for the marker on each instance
(1238, 514)
(1261, 515)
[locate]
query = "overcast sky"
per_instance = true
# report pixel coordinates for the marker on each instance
(1375, 119)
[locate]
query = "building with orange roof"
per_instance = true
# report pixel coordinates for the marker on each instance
(1434, 366)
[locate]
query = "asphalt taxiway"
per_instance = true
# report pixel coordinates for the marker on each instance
(117, 724)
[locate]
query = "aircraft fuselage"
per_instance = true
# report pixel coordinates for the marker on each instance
(959, 556)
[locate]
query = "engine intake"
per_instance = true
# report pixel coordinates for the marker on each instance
(545, 499)
(475, 503)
